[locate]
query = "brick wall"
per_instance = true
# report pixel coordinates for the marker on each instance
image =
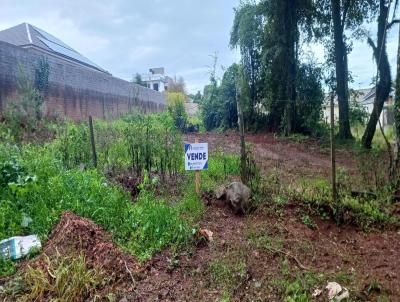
(75, 91)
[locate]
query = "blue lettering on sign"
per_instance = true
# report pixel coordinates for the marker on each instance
(197, 156)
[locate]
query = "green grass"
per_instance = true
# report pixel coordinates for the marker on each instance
(40, 182)
(227, 274)
(359, 211)
(62, 279)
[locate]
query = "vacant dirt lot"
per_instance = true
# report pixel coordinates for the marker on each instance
(258, 249)
(306, 159)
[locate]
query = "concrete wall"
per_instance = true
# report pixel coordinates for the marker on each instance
(75, 91)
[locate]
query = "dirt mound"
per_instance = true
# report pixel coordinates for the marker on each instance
(75, 235)
(130, 183)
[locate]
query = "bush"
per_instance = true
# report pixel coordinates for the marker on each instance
(24, 111)
(176, 108)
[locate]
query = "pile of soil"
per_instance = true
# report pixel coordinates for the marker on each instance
(130, 184)
(74, 235)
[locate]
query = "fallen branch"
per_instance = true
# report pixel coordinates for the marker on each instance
(130, 273)
(299, 264)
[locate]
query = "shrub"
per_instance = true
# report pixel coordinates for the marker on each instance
(176, 108)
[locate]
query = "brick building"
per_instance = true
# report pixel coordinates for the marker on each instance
(77, 86)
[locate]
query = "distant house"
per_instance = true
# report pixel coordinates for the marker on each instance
(30, 37)
(366, 98)
(156, 79)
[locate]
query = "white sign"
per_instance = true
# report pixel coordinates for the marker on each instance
(196, 156)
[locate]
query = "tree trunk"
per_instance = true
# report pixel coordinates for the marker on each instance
(395, 173)
(385, 79)
(243, 167)
(341, 72)
(291, 39)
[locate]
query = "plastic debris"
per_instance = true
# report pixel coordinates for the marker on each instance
(18, 247)
(336, 292)
(317, 293)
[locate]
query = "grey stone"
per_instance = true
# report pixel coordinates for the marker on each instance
(237, 195)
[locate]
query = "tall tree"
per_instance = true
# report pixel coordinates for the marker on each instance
(384, 81)
(396, 163)
(283, 21)
(228, 95)
(246, 35)
(335, 19)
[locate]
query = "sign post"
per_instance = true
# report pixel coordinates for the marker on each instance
(196, 159)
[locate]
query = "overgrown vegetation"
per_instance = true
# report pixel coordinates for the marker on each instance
(62, 278)
(62, 178)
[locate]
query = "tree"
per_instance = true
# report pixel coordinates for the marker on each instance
(25, 109)
(227, 96)
(310, 97)
(246, 35)
(138, 80)
(280, 48)
(197, 98)
(335, 17)
(384, 81)
(211, 112)
(177, 85)
(395, 174)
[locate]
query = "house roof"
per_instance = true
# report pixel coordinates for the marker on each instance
(28, 36)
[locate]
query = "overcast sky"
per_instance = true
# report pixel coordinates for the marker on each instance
(129, 36)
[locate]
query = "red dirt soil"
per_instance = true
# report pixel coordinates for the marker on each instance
(333, 251)
(307, 159)
(74, 235)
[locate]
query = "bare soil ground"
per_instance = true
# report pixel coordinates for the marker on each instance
(305, 159)
(253, 248)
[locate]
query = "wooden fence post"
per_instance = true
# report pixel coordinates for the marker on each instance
(197, 175)
(333, 155)
(94, 154)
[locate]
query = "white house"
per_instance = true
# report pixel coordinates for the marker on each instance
(156, 79)
(366, 98)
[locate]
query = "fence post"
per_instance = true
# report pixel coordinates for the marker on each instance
(197, 175)
(94, 154)
(333, 155)
(243, 167)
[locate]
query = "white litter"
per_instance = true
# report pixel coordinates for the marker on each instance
(18, 247)
(317, 293)
(336, 292)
